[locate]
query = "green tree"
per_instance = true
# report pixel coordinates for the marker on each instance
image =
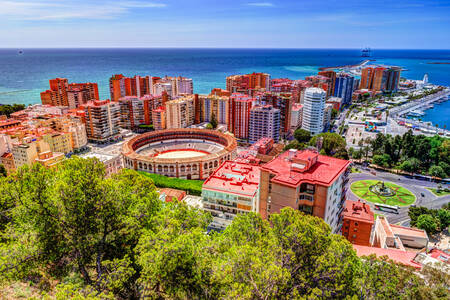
(213, 121)
(175, 256)
(294, 145)
(437, 171)
(444, 218)
(410, 165)
(302, 135)
(3, 171)
(334, 113)
(331, 142)
(427, 223)
(73, 218)
(383, 160)
(9, 109)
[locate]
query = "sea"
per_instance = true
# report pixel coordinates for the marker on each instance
(24, 73)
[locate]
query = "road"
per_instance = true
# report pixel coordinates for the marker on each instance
(417, 187)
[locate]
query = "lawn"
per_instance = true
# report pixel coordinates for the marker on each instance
(403, 197)
(193, 187)
(439, 194)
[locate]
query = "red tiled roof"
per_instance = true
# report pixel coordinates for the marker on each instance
(399, 256)
(323, 172)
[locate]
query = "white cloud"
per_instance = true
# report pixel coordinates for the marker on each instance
(65, 10)
(261, 4)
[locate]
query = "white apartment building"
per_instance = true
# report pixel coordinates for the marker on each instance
(313, 110)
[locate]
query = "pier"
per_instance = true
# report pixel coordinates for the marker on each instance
(397, 113)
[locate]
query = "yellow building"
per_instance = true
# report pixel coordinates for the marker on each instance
(180, 113)
(24, 154)
(59, 142)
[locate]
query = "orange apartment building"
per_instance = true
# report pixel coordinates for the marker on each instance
(247, 83)
(307, 181)
(121, 86)
(332, 76)
(358, 221)
(61, 93)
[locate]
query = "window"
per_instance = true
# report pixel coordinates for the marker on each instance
(356, 223)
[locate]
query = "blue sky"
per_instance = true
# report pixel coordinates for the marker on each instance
(227, 23)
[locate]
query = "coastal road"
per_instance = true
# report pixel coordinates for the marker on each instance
(417, 187)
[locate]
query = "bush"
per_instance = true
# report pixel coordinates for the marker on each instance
(427, 223)
(193, 187)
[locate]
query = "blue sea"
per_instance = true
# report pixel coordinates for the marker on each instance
(23, 77)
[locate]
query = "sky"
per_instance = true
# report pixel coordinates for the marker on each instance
(393, 24)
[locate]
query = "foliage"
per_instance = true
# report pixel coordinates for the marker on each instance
(294, 145)
(437, 171)
(193, 187)
(209, 126)
(427, 223)
(413, 153)
(332, 143)
(334, 113)
(440, 216)
(3, 172)
(383, 160)
(73, 218)
(302, 135)
(7, 109)
(79, 235)
(213, 122)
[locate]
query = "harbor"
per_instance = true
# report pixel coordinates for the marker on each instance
(411, 114)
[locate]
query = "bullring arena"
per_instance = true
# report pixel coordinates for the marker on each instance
(182, 153)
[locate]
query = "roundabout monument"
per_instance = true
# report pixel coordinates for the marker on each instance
(376, 191)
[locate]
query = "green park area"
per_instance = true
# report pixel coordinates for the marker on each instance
(193, 187)
(376, 191)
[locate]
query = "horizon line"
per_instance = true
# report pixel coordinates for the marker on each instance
(218, 48)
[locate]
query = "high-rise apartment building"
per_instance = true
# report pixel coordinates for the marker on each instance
(281, 101)
(121, 86)
(322, 82)
(247, 83)
(102, 120)
(135, 111)
(180, 113)
(313, 110)
(159, 118)
(343, 88)
(380, 78)
(232, 189)
(296, 116)
(307, 181)
(217, 105)
(173, 86)
(61, 93)
(264, 123)
(332, 75)
(239, 115)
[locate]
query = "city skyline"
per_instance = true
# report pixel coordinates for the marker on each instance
(234, 24)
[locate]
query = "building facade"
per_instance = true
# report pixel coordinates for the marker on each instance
(102, 120)
(264, 123)
(343, 88)
(313, 110)
(239, 115)
(358, 220)
(307, 181)
(231, 190)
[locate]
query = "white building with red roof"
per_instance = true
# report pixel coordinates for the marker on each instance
(232, 189)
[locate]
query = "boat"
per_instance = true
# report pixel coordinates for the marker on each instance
(20, 52)
(365, 52)
(416, 113)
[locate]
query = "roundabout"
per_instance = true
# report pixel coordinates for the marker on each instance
(377, 191)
